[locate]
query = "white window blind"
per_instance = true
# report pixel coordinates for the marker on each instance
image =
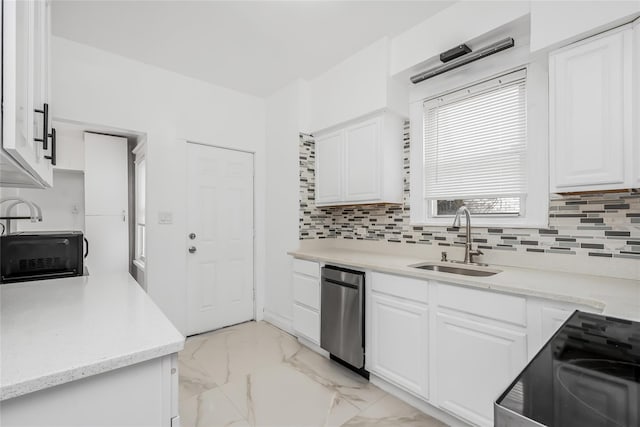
(475, 141)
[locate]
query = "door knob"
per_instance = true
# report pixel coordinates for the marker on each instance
(192, 250)
(192, 236)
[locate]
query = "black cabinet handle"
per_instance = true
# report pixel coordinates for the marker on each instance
(45, 125)
(52, 157)
(86, 252)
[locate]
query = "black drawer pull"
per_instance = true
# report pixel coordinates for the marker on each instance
(45, 125)
(52, 157)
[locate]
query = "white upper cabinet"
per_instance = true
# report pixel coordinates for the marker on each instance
(329, 166)
(360, 163)
(590, 114)
(26, 140)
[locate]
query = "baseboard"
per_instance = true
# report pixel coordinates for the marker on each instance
(313, 346)
(417, 403)
(281, 322)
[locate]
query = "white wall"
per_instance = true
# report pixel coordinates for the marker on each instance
(62, 205)
(555, 23)
(286, 115)
(360, 80)
(97, 87)
(456, 24)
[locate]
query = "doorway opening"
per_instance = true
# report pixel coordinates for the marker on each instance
(95, 189)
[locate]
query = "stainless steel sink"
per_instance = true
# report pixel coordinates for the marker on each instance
(465, 271)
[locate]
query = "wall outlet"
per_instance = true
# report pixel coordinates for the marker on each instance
(165, 217)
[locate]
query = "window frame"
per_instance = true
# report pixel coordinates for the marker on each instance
(535, 211)
(432, 207)
(140, 157)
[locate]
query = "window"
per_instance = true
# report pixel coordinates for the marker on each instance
(476, 152)
(140, 215)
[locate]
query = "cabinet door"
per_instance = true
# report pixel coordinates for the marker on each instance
(552, 319)
(41, 92)
(399, 343)
(475, 363)
(590, 114)
(22, 50)
(329, 167)
(362, 161)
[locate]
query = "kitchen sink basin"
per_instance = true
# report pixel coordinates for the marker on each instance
(465, 271)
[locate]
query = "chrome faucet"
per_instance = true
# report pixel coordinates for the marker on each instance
(35, 213)
(469, 253)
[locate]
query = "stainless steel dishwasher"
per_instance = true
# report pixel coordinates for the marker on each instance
(342, 315)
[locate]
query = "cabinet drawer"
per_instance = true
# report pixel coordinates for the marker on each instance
(403, 287)
(507, 308)
(310, 268)
(306, 322)
(306, 290)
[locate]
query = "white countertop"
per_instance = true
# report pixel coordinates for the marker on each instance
(60, 330)
(615, 297)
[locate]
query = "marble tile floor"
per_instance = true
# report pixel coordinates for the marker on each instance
(254, 374)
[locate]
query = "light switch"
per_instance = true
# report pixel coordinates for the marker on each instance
(165, 217)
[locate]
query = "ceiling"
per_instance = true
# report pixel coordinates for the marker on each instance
(250, 46)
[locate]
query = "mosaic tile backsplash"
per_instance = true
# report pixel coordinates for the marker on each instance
(598, 225)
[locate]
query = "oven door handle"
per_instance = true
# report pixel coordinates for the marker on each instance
(86, 251)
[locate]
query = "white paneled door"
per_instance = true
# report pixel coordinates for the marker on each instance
(219, 241)
(106, 200)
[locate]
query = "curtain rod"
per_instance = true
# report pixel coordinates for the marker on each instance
(465, 59)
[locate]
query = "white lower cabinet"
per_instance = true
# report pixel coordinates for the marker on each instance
(475, 362)
(306, 300)
(143, 394)
(399, 342)
(545, 317)
(306, 323)
(455, 347)
(552, 319)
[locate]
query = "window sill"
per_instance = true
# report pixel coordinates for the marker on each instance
(139, 264)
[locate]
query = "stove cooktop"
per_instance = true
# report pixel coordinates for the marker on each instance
(587, 375)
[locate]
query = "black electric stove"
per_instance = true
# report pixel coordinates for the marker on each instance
(587, 375)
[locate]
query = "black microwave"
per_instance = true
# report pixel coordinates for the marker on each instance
(42, 255)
